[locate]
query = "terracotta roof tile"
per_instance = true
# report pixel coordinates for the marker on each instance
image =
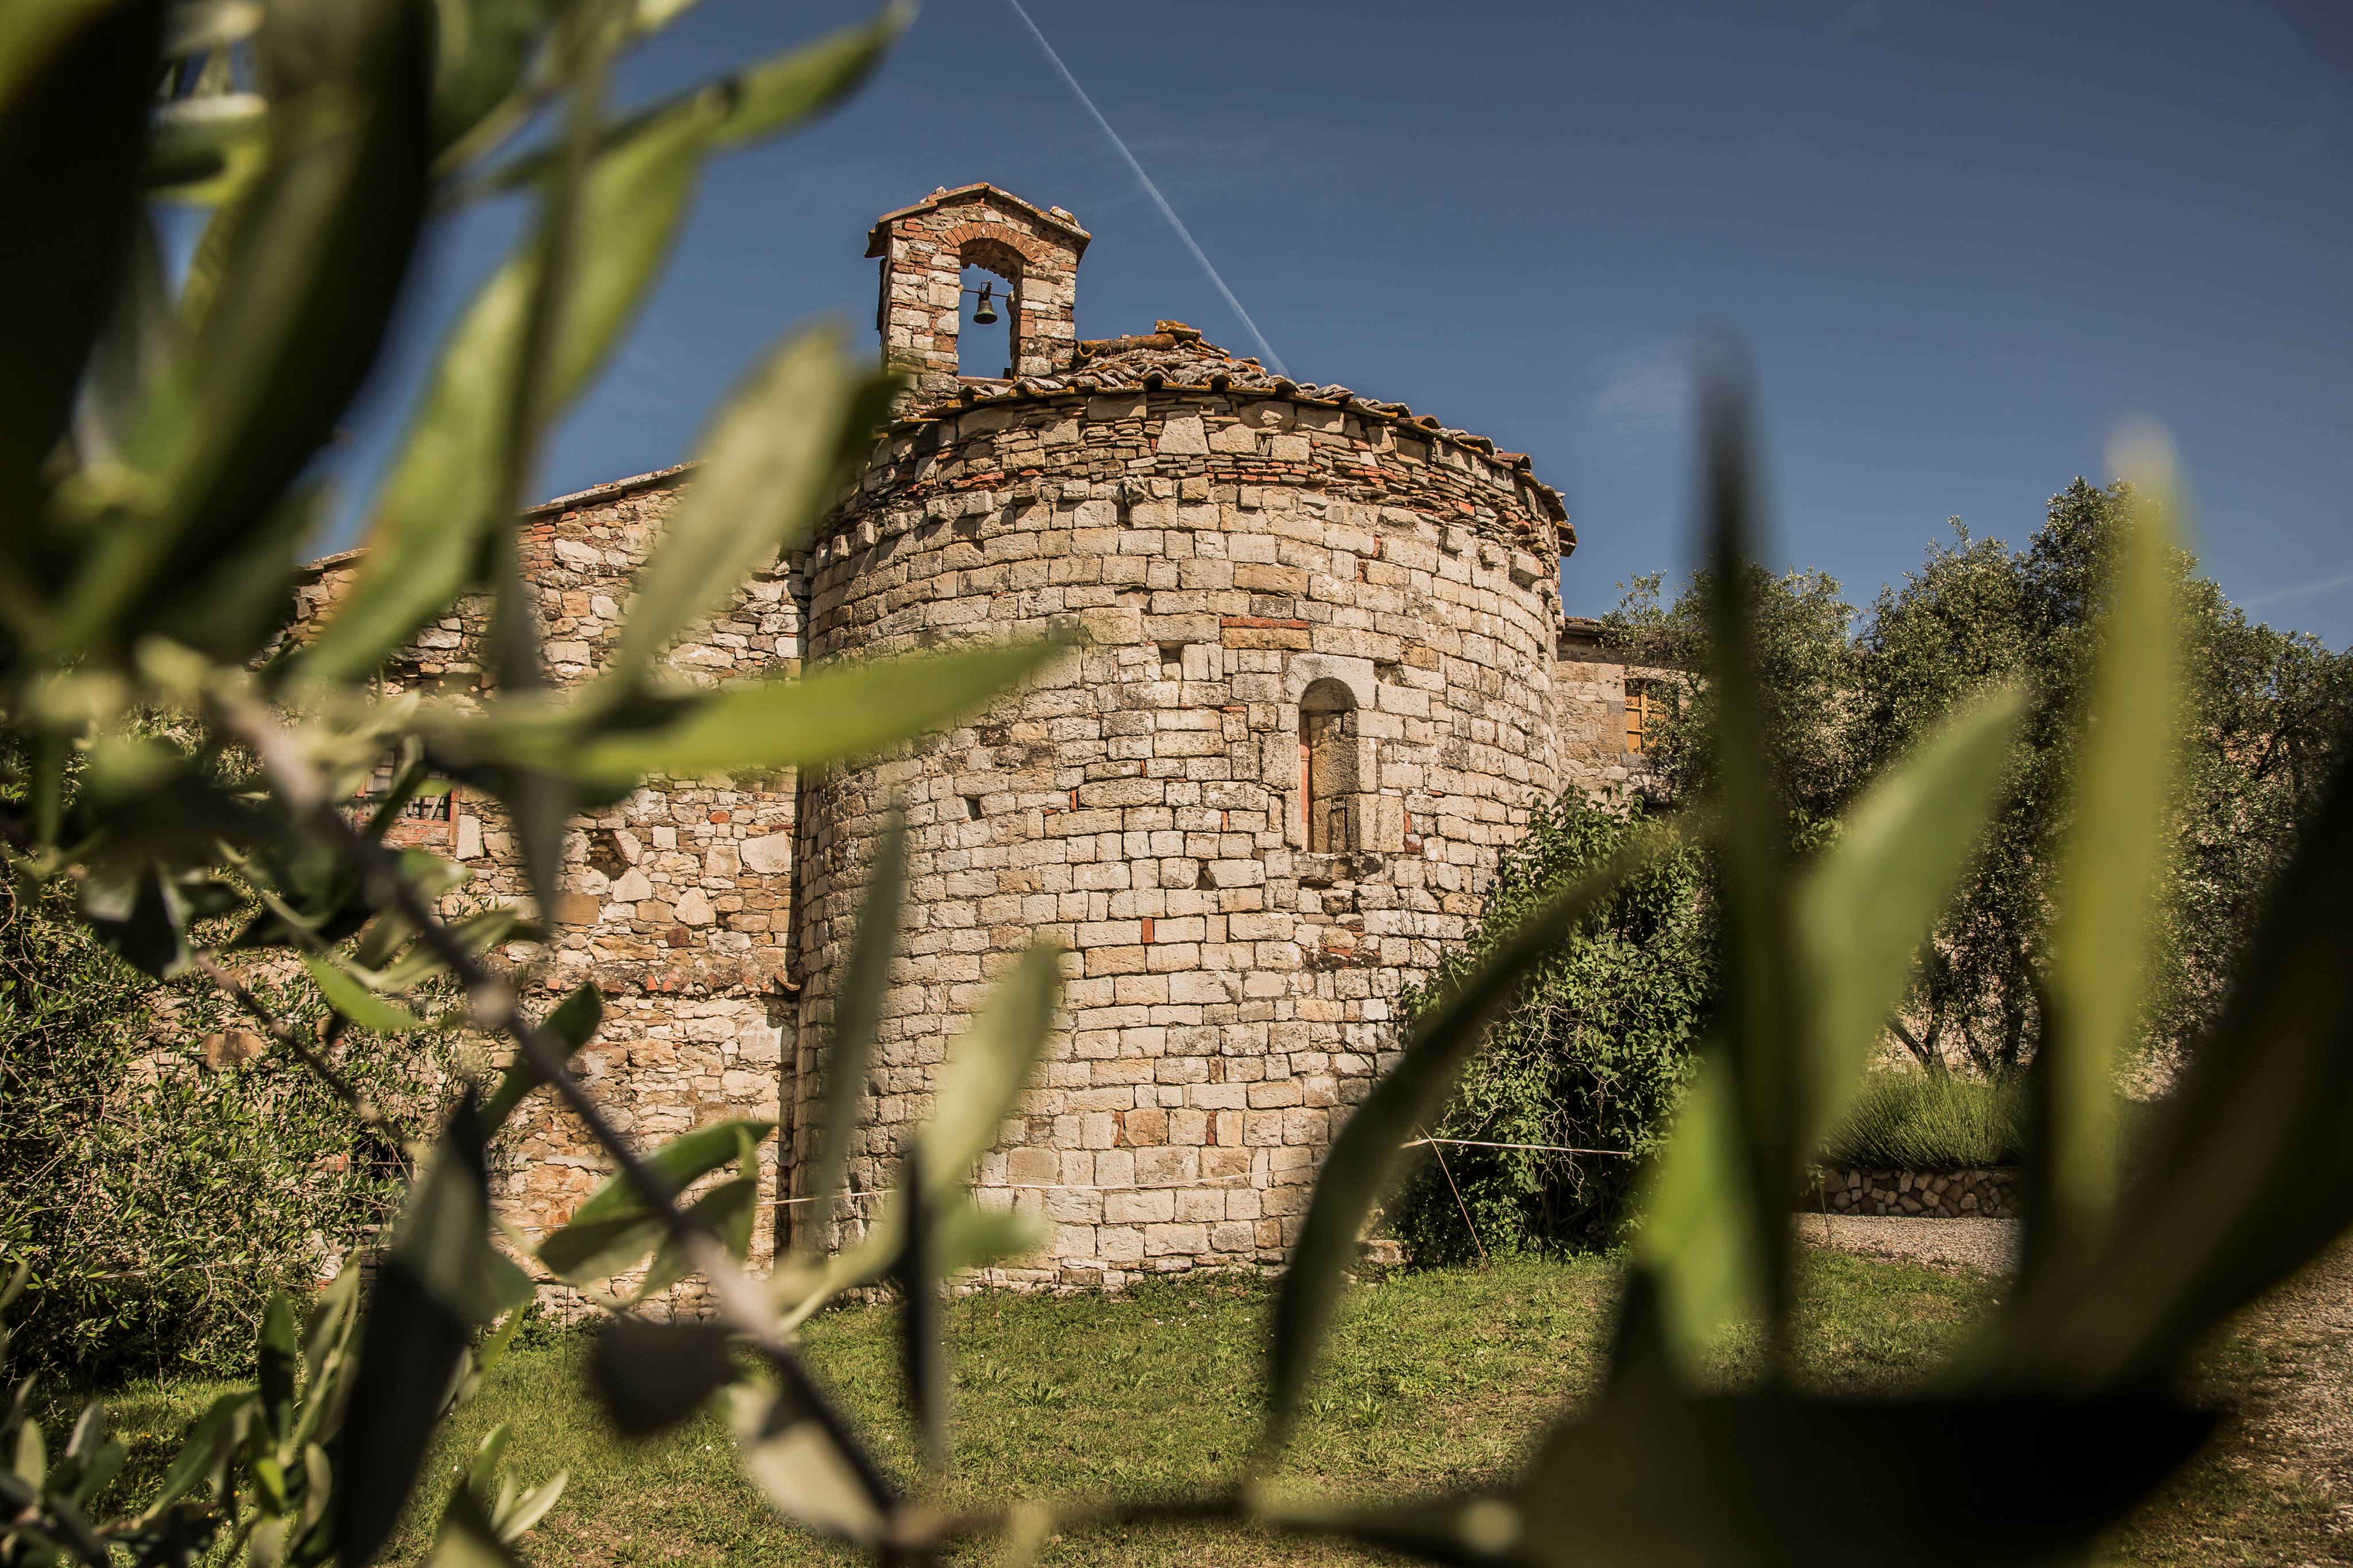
(1054, 217)
(1175, 357)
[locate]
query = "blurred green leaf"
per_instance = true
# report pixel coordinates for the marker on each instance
(802, 1471)
(477, 933)
(966, 1237)
(540, 804)
(678, 1161)
(921, 1271)
(1759, 1039)
(488, 1453)
(444, 498)
(585, 1250)
(970, 1235)
(205, 1449)
(857, 1011)
(987, 1068)
(833, 713)
(1676, 1480)
(483, 46)
(771, 464)
(132, 351)
(439, 1282)
(573, 1023)
(1876, 893)
(275, 1360)
(139, 907)
(614, 1228)
(2111, 864)
(199, 25)
(443, 1239)
(347, 995)
(751, 105)
(1364, 1154)
(608, 740)
(655, 1375)
(515, 1520)
(728, 1210)
(206, 151)
(466, 1539)
(781, 93)
(985, 1074)
(316, 261)
(731, 1209)
(1863, 911)
(2247, 1171)
(327, 1359)
(74, 79)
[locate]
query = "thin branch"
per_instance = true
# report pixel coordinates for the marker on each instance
(1467, 1223)
(496, 1009)
(286, 1035)
(1929, 1059)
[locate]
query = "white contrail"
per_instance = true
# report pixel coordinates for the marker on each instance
(2301, 591)
(1265, 348)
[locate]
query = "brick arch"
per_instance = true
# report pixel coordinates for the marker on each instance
(992, 253)
(973, 242)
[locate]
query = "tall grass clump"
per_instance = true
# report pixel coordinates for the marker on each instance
(1923, 1121)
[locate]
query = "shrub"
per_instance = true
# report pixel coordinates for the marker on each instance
(1923, 1121)
(160, 1200)
(1589, 1053)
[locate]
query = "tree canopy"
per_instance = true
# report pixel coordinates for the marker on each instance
(1845, 693)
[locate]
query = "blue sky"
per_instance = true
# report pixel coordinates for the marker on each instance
(1961, 242)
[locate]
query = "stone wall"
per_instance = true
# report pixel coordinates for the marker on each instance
(1590, 711)
(1228, 992)
(1974, 1193)
(677, 901)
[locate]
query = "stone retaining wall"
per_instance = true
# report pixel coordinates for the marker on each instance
(1979, 1194)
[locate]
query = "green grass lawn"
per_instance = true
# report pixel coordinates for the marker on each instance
(1432, 1380)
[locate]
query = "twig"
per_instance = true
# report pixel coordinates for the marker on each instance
(1468, 1224)
(286, 1035)
(497, 1010)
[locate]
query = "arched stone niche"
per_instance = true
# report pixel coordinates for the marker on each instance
(1333, 787)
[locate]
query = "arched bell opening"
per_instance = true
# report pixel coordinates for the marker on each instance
(989, 317)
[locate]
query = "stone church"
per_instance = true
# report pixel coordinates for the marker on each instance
(1324, 676)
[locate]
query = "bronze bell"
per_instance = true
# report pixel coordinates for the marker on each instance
(985, 313)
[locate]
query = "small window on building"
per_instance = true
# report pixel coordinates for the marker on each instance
(1327, 733)
(429, 804)
(1647, 706)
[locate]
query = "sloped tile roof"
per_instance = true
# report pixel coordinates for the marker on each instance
(1175, 357)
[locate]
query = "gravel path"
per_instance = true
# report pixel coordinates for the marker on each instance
(1989, 1246)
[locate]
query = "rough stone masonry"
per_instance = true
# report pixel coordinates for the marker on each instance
(1323, 677)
